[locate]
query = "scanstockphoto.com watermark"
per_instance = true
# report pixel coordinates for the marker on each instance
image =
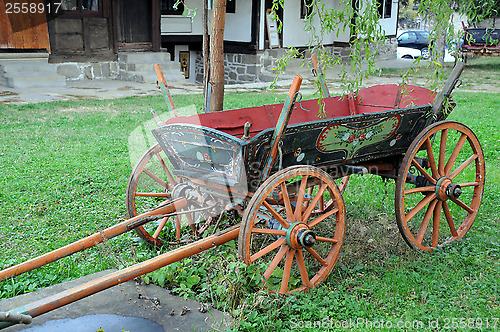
(363, 323)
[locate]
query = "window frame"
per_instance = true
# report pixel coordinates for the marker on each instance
(79, 12)
(230, 6)
(179, 11)
(384, 8)
(306, 8)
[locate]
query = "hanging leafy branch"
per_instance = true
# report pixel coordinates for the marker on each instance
(360, 20)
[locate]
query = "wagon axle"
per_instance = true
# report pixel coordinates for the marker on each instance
(299, 236)
(446, 189)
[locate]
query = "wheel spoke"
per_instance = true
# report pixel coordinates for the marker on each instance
(170, 177)
(189, 217)
(463, 166)
(442, 151)
(423, 171)
(156, 179)
(287, 271)
(317, 256)
(313, 203)
(300, 200)
(269, 231)
(435, 224)
(432, 160)
(462, 205)
(449, 219)
(343, 183)
(267, 249)
(454, 154)
(423, 227)
(419, 190)
(178, 227)
(420, 206)
(326, 239)
(283, 250)
(288, 205)
(302, 269)
(469, 184)
(322, 217)
(160, 227)
(275, 214)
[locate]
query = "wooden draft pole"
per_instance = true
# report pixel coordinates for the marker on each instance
(217, 55)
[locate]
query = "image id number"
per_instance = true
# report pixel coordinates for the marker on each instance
(31, 8)
(464, 323)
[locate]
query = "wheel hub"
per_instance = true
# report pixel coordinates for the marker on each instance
(298, 236)
(446, 189)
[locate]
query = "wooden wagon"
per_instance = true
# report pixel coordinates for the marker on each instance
(274, 167)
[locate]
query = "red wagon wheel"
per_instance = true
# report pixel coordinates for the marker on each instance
(151, 183)
(286, 230)
(440, 185)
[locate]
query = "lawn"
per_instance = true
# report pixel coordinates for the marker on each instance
(64, 169)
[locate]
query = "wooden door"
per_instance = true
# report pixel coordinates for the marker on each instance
(134, 21)
(23, 31)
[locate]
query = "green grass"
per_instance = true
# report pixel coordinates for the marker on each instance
(64, 169)
(478, 72)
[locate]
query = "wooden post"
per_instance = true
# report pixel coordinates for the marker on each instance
(155, 28)
(217, 55)
(206, 54)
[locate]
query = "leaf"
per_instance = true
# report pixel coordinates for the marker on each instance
(192, 280)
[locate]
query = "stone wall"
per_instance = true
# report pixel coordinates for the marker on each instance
(88, 70)
(238, 68)
(246, 68)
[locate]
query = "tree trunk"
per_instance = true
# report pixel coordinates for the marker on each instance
(217, 55)
(206, 54)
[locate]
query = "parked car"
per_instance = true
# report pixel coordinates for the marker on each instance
(408, 53)
(415, 39)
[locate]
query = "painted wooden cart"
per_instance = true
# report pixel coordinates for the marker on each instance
(274, 167)
(480, 42)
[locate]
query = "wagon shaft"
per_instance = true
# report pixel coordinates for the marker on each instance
(91, 240)
(58, 300)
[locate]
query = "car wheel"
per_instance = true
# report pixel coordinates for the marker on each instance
(425, 53)
(407, 56)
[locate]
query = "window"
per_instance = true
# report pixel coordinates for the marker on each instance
(306, 8)
(80, 5)
(384, 8)
(169, 7)
(231, 6)
(408, 37)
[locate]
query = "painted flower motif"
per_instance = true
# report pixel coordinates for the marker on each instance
(346, 137)
(355, 142)
(362, 137)
(369, 134)
(351, 138)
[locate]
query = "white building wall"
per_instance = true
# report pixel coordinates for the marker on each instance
(390, 25)
(238, 25)
(294, 33)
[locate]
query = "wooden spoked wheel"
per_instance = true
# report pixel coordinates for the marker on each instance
(151, 183)
(285, 229)
(440, 185)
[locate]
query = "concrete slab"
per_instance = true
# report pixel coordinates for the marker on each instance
(131, 306)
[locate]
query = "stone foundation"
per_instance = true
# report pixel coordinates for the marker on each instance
(74, 71)
(247, 68)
